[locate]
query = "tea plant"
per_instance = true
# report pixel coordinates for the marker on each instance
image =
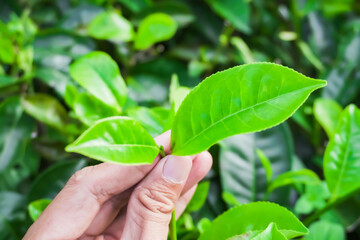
(239, 100)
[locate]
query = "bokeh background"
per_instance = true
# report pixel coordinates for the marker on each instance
(43, 109)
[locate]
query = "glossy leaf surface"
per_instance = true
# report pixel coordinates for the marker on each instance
(46, 109)
(154, 120)
(270, 233)
(117, 140)
(342, 155)
(35, 208)
(89, 109)
(111, 26)
(303, 176)
(100, 75)
(236, 12)
(155, 28)
(254, 217)
(327, 112)
(242, 99)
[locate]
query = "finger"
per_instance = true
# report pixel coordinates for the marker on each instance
(184, 200)
(200, 167)
(74, 208)
(150, 206)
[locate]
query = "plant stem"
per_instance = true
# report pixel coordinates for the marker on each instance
(162, 151)
(172, 227)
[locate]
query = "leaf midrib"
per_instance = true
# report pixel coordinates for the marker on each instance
(244, 109)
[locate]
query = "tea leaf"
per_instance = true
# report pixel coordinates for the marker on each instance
(110, 25)
(270, 233)
(117, 140)
(199, 197)
(327, 112)
(46, 109)
(155, 28)
(154, 120)
(236, 12)
(325, 230)
(304, 176)
(100, 75)
(35, 208)
(243, 99)
(341, 159)
(89, 109)
(254, 217)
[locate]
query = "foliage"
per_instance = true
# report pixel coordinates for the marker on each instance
(101, 71)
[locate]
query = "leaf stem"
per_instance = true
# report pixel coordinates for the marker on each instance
(162, 151)
(172, 227)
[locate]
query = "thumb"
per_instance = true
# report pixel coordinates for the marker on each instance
(150, 206)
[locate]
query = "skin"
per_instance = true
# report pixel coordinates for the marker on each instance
(108, 201)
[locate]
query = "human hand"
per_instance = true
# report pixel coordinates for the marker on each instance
(108, 201)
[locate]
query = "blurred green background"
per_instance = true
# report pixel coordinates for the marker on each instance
(43, 109)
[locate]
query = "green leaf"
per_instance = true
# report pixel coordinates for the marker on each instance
(243, 48)
(303, 176)
(236, 12)
(324, 230)
(327, 112)
(6, 81)
(70, 95)
(306, 50)
(154, 120)
(155, 28)
(243, 99)
(117, 140)
(111, 26)
(314, 198)
(177, 92)
(7, 51)
(230, 199)
(35, 208)
(241, 171)
(50, 182)
(178, 10)
(266, 164)
(89, 109)
(54, 78)
(100, 75)
(46, 109)
(341, 159)
(254, 217)
(270, 233)
(15, 131)
(199, 197)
